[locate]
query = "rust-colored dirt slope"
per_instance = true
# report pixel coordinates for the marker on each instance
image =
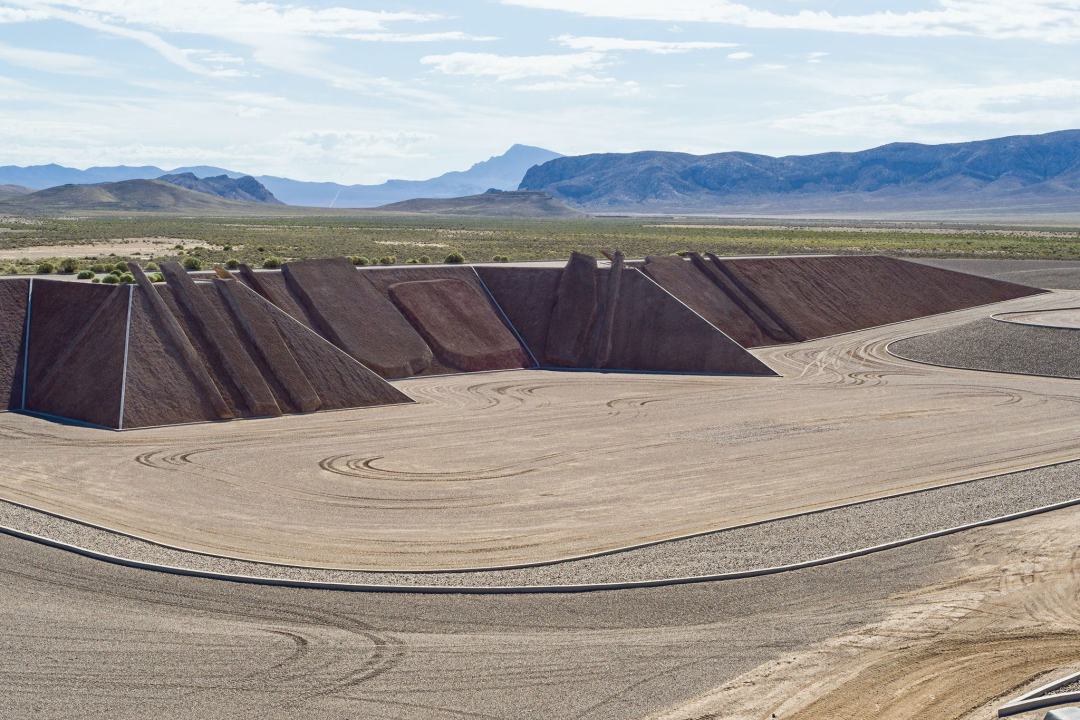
(351, 313)
(459, 325)
(13, 302)
(75, 365)
(285, 367)
(611, 318)
(527, 296)
(686, 282)
(818, 296)
(478, 308)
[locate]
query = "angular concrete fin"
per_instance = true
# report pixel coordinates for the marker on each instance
(183, 345)
(221, 345)
(249, 312)
(14, 305)
(575, 312)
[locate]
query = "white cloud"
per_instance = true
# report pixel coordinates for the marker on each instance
(659, 47)
(1055, 21)
(503, 67)
(54, 62)
(739, 55)
(815, 57)
(418, 37)
(770, 66)
(1039, 103)
(585, 82)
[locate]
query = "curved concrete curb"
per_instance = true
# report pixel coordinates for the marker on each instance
(888, 349)
(530, 589)
(1000, 317)
(539, 563)
(1038, 699)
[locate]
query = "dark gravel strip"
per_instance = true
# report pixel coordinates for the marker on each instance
(778, 542)
(1003, 347)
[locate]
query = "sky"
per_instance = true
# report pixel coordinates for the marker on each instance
(360, 92)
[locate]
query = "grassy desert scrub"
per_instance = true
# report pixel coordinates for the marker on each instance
(85, 275)
(454, 258)
(232, 263)
(192, 263)
(69, 265)
(359, 260)
(45, 268)
(272, 262)
(111, 279)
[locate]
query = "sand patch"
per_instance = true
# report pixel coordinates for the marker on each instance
(101, 248)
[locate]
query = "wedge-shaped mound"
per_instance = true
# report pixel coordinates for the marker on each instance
(353, 315)
(527, 296)
(699, 291)
(459, 325)
(818, 296)
(613, 318)
(75, 358)
(286, 368)
(14, 299)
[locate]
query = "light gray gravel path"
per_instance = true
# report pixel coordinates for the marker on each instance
(989, 344)
(1053, 274)
(780, 542)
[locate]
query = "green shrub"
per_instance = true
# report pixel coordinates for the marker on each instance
(178, 246)
(455, 258)
(121, 266)
(116, 272)
(260, 249)
(85, 275)
(192, 263)
(11, 270)
(359, 260)
(227, 248)
(110, 279)
(500, 258)
(45, 268)
(99, 268)
(152, 267)
(232, 263)
(387, 260)
(69, 265)
(153, 277)
(127, 278)
(424, 259)
(411, 261)
(96, 280)
(272, 262)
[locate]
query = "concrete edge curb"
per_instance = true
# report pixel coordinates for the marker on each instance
(530, 589)
(539, 563)
(1000, 317)
(888, 349)
(1035, 699)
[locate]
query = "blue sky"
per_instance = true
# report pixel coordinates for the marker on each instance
(365, 91)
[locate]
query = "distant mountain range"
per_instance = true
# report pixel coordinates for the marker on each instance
(1032, 173)
(502, 172)
(246, 188)
(153, 196)
(489, 204)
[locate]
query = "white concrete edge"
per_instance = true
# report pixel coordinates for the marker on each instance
(518, 566)
(127, 345)
(504, 317)
(26, 341)
(888, 349)
(531, 589)
(1000, 317)
(1031, 700)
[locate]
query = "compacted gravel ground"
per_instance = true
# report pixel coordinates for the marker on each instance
(989, 344)
(780, 542)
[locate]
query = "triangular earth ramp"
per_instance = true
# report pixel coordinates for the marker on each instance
(576, 317)
(826, 295)
(294, 362)
(14, 296)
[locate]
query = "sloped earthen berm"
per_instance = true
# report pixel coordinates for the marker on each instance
(323, 335)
